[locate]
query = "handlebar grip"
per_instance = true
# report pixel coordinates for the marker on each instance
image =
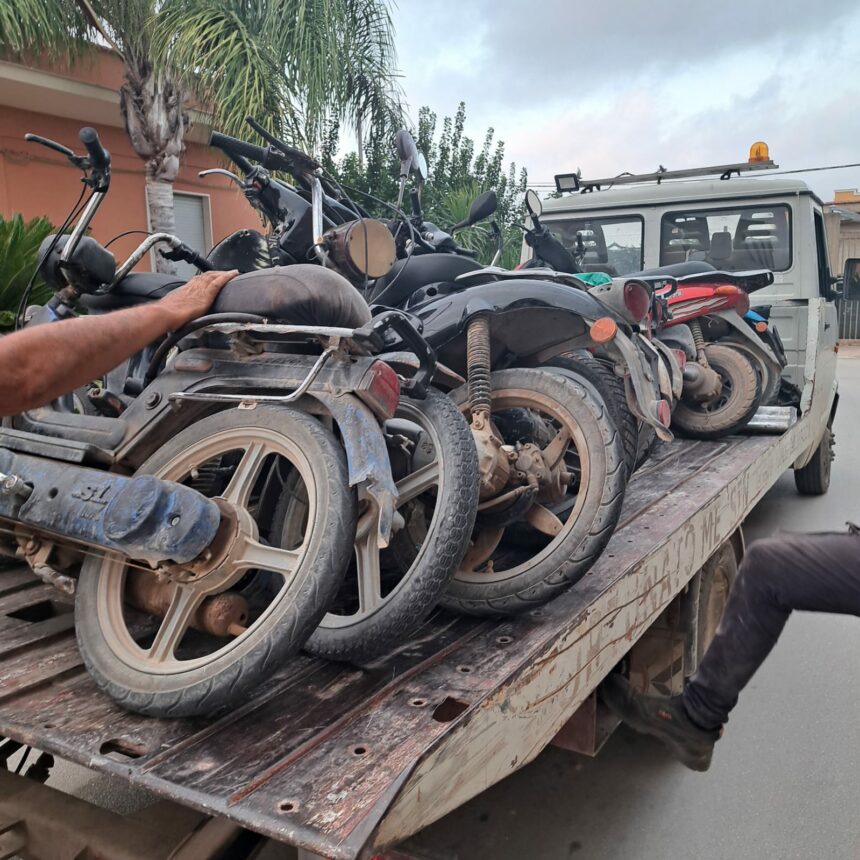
(99, 156)
(238, 150)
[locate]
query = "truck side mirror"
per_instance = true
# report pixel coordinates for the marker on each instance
(850, 279)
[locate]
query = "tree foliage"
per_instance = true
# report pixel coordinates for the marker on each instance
(458, 174)
(19, 248)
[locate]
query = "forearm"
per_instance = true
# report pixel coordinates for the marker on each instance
(39, 364)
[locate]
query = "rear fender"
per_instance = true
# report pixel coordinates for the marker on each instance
(742, 331)
(366, 455)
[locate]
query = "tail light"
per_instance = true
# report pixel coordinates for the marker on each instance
(761, 326)
(380, 389)
(664, 412)
(732, 292)
(637, 300)
(681, 356)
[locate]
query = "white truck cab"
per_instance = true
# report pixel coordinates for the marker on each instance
(736, 224)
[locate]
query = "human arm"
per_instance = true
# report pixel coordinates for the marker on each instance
(41, 363)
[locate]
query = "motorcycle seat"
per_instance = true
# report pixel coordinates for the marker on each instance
(295, 295)
(136, 288)
(675, 270)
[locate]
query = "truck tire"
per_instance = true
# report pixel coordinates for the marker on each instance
(516, 575)
(424, 553)
(813, 479)
(611, 388)
(732, 409)
(181, 680)
(717, 577)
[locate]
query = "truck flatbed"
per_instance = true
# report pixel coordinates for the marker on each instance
(343, 760)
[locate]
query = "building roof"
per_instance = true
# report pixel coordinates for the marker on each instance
(652, 194)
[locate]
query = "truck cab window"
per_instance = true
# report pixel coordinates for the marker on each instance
(610, 245)
(824, 285)
(733, 239)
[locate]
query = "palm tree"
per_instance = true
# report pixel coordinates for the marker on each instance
(293, 64)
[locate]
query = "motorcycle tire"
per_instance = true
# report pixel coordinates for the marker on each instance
(413, 572)
(596, 451)
(732, 409)
(180, 680)
(611, 388)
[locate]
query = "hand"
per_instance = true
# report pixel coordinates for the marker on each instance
(193, 299)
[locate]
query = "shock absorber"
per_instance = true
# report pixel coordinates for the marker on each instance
(493, 463)
(699, 341)
(478, 368)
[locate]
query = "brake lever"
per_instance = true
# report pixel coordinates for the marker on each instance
(222, 172)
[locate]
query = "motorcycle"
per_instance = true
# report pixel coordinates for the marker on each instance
(217, 558)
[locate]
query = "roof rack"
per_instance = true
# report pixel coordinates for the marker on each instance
(573, 182)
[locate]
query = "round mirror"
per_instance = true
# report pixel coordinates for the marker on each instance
(533, 202)
(420, 166)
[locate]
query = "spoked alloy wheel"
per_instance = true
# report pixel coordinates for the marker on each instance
(388, 592)
(191, 645)
(523, 556)
(732, 408)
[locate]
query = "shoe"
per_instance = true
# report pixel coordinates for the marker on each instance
(664, 718)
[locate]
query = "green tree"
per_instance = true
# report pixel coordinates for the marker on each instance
(457, 177)
(19, 248)
(295, 65)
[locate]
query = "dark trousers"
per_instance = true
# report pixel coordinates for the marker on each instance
(816, 573)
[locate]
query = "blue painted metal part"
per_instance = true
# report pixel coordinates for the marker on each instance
(142, 517)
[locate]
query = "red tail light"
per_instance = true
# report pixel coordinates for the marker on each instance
(380, 389)
(637, 300)
(664, 412)
(681, 356)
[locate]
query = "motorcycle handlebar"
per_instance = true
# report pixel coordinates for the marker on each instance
(291, 161)
(99, 156)
(238, 150)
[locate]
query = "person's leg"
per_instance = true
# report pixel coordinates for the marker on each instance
(810, 572)
(816, 573)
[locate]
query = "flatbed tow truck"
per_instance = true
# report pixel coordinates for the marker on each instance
(347, 762)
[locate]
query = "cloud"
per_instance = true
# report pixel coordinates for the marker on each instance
(630, 85)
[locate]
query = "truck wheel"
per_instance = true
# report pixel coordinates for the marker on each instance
(717, 577)
(520, 560)
(611, 388)
(732, 408)
(814, 478)
(160, 647)
(386, 594)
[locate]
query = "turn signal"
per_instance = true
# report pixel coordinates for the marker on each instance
(603, 330)
(761, 326)
(759, 152)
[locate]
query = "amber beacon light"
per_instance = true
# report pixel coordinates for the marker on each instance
(759, 152)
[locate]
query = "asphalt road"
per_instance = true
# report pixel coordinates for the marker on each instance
(785, 782)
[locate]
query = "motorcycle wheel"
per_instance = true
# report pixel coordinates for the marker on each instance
(769, 380)
(165, 662)
(514, 567)
(387, 593)
(611, 388)
(732, 408)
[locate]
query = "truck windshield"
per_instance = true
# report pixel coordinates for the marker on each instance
(611, 245)
(735, 239)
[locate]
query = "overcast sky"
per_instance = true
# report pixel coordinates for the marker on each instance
(620, 85)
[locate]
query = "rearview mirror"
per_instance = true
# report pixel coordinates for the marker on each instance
(533, 203)
(483, 206)
(420, 167)
(851, 278)
(407, 152)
